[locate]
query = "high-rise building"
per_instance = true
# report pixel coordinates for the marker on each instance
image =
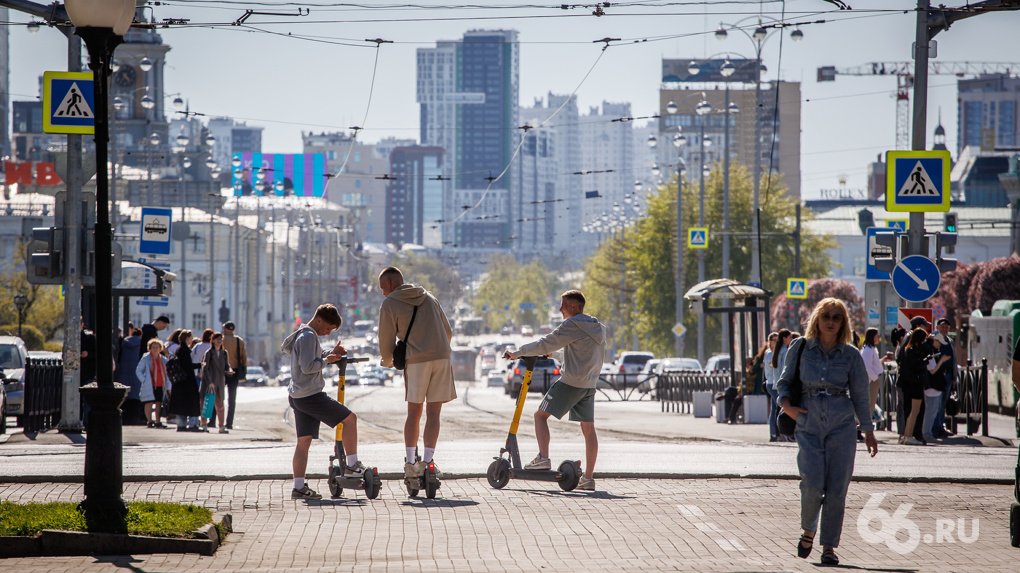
(414, 202)
(360, 185)
(607, 159)
(468, 92)
(5, 85)
(232, 137)
(778, 123)
(988, 112)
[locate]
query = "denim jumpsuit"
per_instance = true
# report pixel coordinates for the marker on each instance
(835, 387)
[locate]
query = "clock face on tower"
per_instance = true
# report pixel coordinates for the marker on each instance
(125, 77)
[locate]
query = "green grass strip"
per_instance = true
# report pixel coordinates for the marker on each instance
(157, 519)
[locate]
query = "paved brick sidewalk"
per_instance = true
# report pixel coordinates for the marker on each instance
(631, 524)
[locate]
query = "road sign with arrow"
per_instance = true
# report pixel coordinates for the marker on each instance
(916, 278)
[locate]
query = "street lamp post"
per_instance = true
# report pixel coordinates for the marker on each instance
(703, 108)
(102, 25)
(758, 38)
(185, 162)
(20, 302)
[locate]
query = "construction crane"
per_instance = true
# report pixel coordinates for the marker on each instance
(904, 72)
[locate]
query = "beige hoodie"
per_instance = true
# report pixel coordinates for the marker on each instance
(430, 335)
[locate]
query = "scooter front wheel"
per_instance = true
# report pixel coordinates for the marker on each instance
(571, 476)
(334, 486)
(498, 473)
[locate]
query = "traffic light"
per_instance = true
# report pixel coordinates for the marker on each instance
(44, 257)
(887, 263)
(949, 224)
(945, 241)
(87, 259)
(949, 219)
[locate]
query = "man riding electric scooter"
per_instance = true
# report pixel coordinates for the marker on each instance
(583, 340)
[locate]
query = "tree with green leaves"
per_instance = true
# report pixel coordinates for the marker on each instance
(507, 284)
(44, 310)
(438, 277)
(630, 279)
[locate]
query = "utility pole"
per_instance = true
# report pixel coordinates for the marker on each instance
(915, 233)
(70, 407)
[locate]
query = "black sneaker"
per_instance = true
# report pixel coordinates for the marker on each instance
(305, 493)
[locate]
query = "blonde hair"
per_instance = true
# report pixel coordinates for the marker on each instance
(831, 305)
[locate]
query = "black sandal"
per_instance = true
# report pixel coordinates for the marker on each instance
(829, 556)
(803, 551)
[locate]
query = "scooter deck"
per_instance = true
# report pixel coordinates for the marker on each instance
(536, 475)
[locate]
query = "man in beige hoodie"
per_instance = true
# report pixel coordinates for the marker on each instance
(428, 376)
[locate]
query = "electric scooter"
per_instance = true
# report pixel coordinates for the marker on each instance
(427, 481)
(369, 481)
(503, 469)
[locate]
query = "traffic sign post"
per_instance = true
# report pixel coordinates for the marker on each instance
(155, 231)
(916, 278)
(679, 329)
(697, 238)
(796, 288)
(69, 102)
(917, 181)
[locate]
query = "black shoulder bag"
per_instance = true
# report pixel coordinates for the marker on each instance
(400, 350)
(787, 425)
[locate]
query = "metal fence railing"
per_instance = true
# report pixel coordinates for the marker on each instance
(971, 395)
(43, 393)
(675, 390)
(626, 386)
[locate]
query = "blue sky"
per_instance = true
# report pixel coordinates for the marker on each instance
(289, 84)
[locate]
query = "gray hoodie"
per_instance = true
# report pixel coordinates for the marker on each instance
(583, 340)
(307, 359)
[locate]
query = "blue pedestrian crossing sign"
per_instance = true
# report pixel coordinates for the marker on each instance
(916, 278)
(796, 288)
(697, 238)
(69, 102)
(917, 181)
(900, 225)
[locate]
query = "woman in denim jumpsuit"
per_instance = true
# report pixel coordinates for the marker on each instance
(834, 388)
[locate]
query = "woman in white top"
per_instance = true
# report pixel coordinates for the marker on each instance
(872, 364)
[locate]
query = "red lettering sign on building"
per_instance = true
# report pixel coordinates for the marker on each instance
(21, 173)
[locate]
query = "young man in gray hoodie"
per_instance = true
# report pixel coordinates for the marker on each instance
(583, 340)
(310, 404)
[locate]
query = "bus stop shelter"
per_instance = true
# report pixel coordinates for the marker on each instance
(745, 312)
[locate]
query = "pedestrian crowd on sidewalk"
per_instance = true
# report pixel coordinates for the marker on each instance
(187, 381)
(923, 360)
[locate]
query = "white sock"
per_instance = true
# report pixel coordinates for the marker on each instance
(410, 454)
(429, 452)
(299, 483)
(352, 460)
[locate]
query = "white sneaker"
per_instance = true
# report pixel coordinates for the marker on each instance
(912, 441)
(357, 470)
(586, 484)
(539, 463)
(304, 493)
(412, 471)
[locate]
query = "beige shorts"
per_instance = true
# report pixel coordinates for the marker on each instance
(430, 381)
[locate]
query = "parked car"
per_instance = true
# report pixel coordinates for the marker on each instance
(13, 355)
(256, 376)
(547, 370)
(628, 368)
(495, 378)
(677, 364)
(3, 404)
(718, 363)
(374, 375)
(284, 377)
(646, 378)
(527, 331)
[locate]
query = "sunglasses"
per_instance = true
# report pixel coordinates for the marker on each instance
(832, 317)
